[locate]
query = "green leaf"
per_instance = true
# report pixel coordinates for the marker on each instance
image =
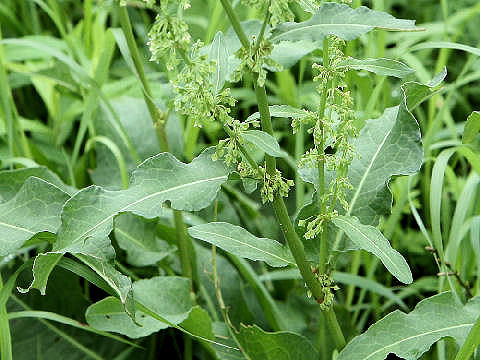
(258, 344)
(371, 239)
(386, 67)
(240, 242)
(109, 315)
(199, 323)
(219, 52)
(34, 209)
(264, 141)
(137, 236)
(340, 20)
(410, 335)
(90, 212)
(12, 180)
(446, 45)
(282, 111)
(417, 93)
(471, 343)
(472, 127)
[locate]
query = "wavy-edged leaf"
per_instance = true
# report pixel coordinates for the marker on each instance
(282, 111)
(472, 127)
(240, 242)
(284, 345)
(90, 212)
(387, 67)
(387, 146)
(410, 335)
(263, 141)
(34, 209)
(371, 239)
(340, 20)
(12, 180)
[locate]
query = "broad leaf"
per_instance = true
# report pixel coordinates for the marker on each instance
(258, 344)
(137, 236)
(240, 242)
(472, 127)
(387, 67)
(34, 209)
(199, 323)
(282, 111)
(340, 20)
(263, 141)
(90, 212)
(371, 239)
(410, 335)
(387, 146)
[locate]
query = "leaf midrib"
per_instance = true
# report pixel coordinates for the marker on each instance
(125, 208)
(416, 336)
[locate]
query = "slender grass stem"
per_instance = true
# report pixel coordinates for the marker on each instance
(5, 338)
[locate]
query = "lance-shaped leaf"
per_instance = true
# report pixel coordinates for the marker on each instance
(410, 335)
(386, 67)
(371, 239)
(90, 212)
(168, 297)
(34, 209)
(263, 141)
(387, 146)
(282, 111)
(340, 20)
(258, 344)
(240, 242)
(218, 51)
(12, 180)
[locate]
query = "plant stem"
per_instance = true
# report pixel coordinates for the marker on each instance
(334, 328)
(293, 241)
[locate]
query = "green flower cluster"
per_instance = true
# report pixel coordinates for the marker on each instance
(169, 34)
(278, 9)
(274, 184)
(254, 58)
(332, 128)
(195, 94)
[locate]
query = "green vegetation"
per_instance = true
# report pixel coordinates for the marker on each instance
(248, 179)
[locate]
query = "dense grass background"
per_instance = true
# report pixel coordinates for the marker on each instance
(69, 99)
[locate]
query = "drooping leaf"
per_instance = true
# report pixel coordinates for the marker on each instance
(417, 93)
(259, 344)
(387, 146)
(281, 111)
(12, 180)
(371, 239)
(109, 315)
(386, 67)
(137, 236)
(34, 209)
(264, 141)
(199, 323)
(240, 242)
(472, 127)
(340, 20)
(410, 335)
(90, 212)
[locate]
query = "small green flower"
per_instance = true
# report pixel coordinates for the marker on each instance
(273, 185)
(278, 9)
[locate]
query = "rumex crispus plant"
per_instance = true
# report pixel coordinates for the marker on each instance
(176, 202)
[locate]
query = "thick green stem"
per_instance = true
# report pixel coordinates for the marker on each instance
(335, 329)
(5, 338)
